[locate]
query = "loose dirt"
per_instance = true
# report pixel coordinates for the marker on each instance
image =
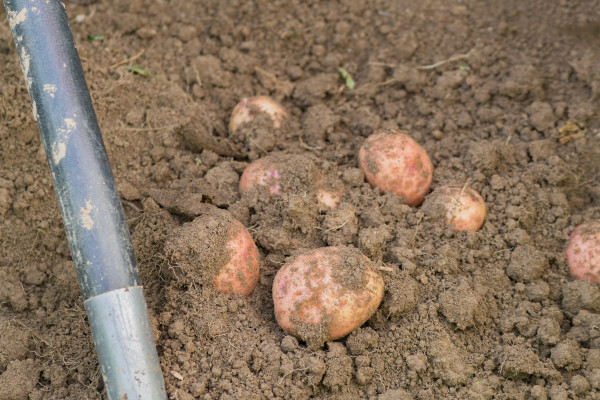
(503, 94)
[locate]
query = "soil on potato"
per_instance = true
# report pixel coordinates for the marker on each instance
(504, 95)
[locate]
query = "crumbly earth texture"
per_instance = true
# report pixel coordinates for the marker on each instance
(491, 93)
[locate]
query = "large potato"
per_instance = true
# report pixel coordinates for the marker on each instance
(326, 293)
(583, 252)
(394, 162)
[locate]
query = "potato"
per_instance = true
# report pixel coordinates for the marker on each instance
(461, 207)
(245, 111)
(264, 172)
(215, 249)
(394, 162)
(583, 252)
(298, 174)
(325, 294)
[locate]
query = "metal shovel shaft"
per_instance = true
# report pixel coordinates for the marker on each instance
(89, 202)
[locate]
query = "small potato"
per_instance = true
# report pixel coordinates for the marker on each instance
(293, 174)
(264, 172)
(394, 162)
(245, 110)
(583, 252)
(325, 294)
(461, 207)
(215, 249)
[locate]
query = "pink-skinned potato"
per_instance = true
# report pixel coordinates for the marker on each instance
(264, 172)
(289, 173)
(583, 252)
(214, 249)
(246, 109)
(326, 293)
(394, 162)
(240, 274)
(461, 207)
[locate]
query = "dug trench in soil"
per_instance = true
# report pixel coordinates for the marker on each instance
(485, 87)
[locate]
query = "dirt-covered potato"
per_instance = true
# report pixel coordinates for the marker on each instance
(326, 293)
(246, 110)
(583, 252)
(461, 207)
(215, 249)
(286, 174)
(394, 162)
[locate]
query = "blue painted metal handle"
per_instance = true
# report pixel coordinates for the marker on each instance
(93, 216)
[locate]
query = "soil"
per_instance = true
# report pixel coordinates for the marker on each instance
(503, 95)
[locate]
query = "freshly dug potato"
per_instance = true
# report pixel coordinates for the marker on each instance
(246, 110)
(583, 252)
(265, 172)
(326, 293)
(215, 249)
(285, 174)
(461, 207)
(394, 162)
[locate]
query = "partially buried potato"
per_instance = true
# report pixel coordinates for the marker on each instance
(583, 252)
(326, 293)
(246, 110)
(283, 174)
(215, 249)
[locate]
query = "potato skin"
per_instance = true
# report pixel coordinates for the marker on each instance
(242, 112)
(583, 252)
(326, 293)
(394, 162)
(463, 208)
(240, 274)
(263, 171)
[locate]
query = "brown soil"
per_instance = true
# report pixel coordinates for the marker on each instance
(491, 314)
